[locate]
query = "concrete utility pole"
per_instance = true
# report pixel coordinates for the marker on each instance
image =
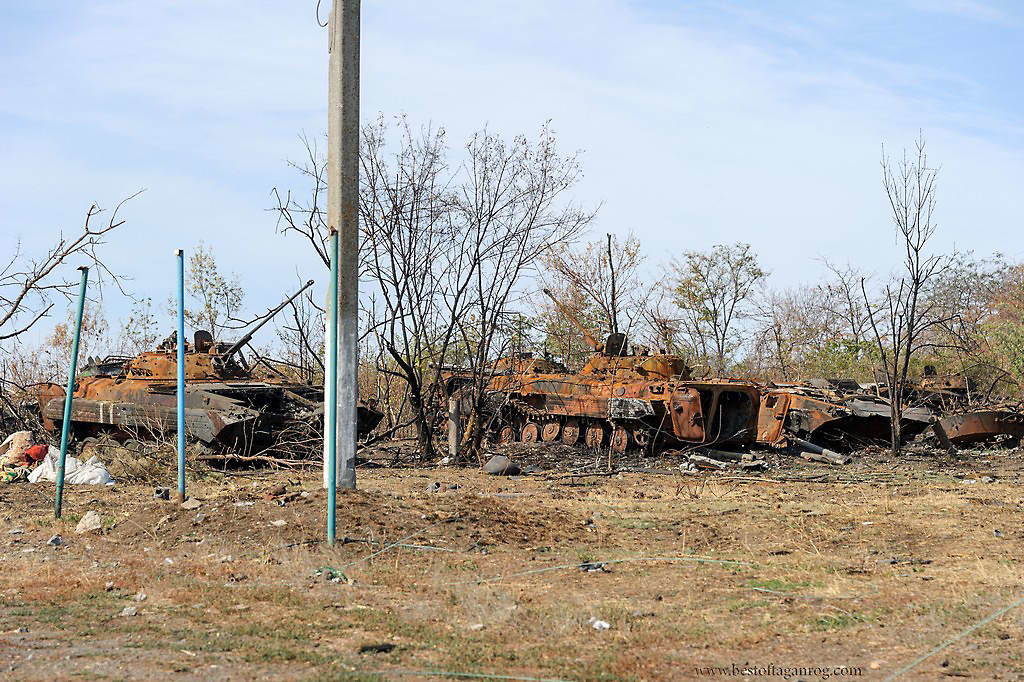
(343, 216)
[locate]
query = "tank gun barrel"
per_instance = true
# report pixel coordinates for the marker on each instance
(572, 318)
(237, 345)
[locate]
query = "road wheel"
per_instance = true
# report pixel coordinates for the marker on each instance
(507, 435)
(530, 433)
(550, 432)
(620, 439)
(571, 432)
(594, 436)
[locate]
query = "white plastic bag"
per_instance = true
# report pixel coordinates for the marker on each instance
(91, 472)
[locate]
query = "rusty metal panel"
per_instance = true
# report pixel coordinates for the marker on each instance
(771, 418)
(981, 425)
(687, 415)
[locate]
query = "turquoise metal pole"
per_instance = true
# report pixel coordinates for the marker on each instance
(181, 374)
(65, 429)
(332, 396)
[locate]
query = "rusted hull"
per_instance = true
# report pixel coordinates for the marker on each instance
(234, 416)
(982, 425)
(627, 413)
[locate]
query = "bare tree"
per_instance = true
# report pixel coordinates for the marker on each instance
(443, 247)
(664, 328)
(906, 312)
(813, 330)
(305, 217)
(93, 339)
(511, 209)
(141, 331)
(601, 280)
(28, 283)
(216, 300)
(28, 286)
(712, 291)
(411, 241)
(301, 334)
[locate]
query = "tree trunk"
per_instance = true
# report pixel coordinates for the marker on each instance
(424, 433)
(896, 424)
(425, 437)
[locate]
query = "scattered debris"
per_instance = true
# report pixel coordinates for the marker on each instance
(382, 648)
(14, 447)
(599, 625)
(277, 491)
(701, 462)
(333, 575)
(56, 541)
(90, 472)
(129, 611)
(823, 458)
(905, 562)
(18, 456)
(594, 566)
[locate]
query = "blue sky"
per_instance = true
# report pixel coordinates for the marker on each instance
(700, 122)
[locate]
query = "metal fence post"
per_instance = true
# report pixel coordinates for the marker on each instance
(181, 374)
(65, 430)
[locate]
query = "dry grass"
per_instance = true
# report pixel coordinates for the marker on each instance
(860, 574)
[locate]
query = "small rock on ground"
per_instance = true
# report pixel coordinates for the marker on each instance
(500, 465)
(89, 523)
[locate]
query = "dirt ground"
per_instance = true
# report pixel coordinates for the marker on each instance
(845, 572)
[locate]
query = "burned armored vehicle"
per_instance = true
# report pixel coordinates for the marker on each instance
(621, 399)
(228, 407)
(834, 413)
(969, 417)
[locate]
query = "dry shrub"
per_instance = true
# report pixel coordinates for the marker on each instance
(145, 463)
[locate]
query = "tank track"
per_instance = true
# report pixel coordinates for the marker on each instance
(521, 411)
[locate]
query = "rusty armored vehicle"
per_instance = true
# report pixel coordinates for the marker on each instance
(621, 399)
(835, 413)
(967, 416)
(228, 407)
